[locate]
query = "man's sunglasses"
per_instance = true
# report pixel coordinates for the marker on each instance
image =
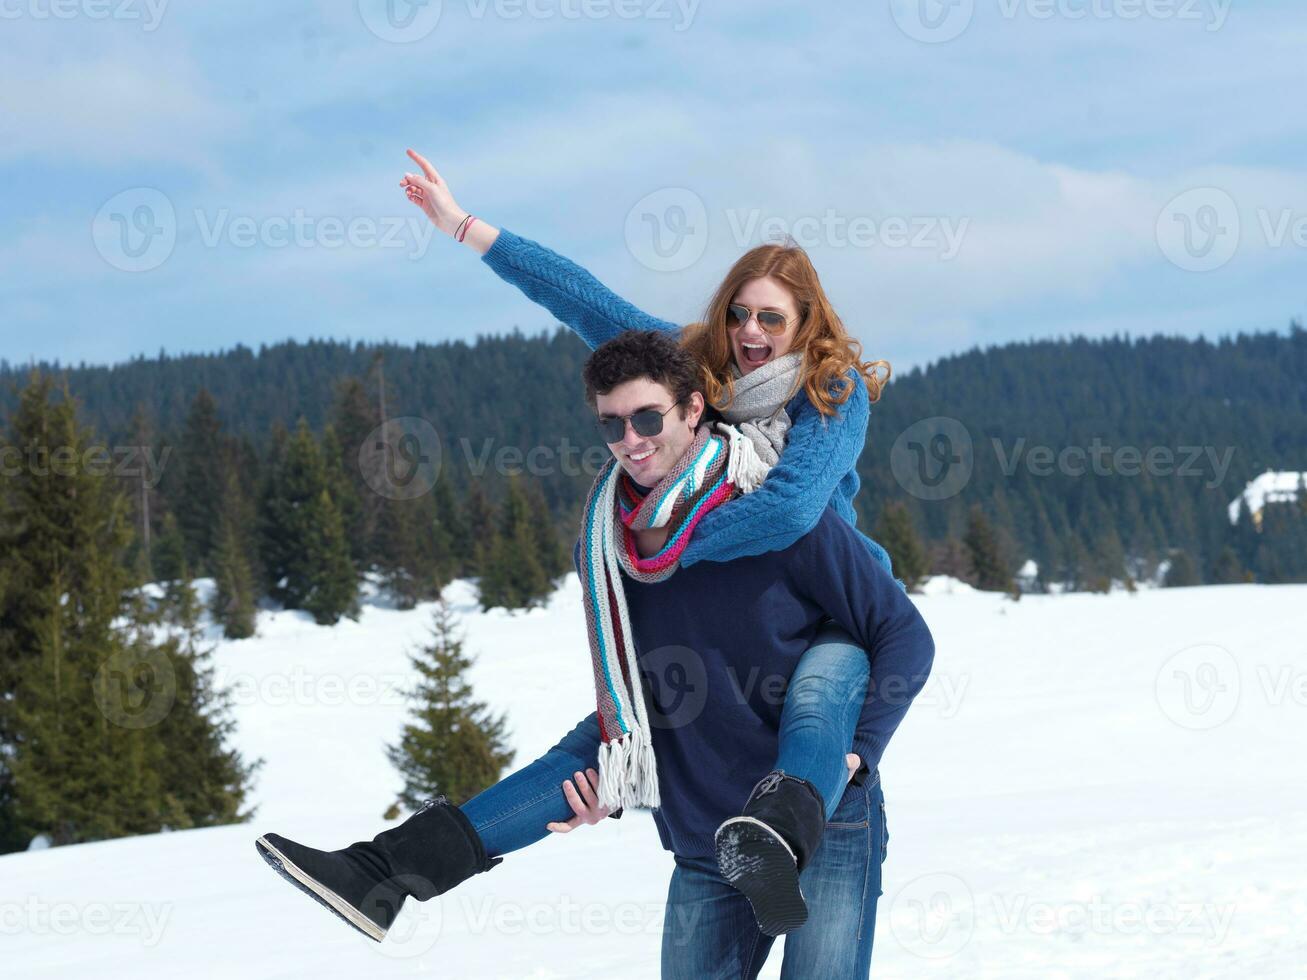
(770, 320)
(646, 422)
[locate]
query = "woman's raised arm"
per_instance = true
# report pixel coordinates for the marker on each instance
(568, 291)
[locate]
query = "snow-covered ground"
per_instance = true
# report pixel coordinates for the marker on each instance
(1090, 786)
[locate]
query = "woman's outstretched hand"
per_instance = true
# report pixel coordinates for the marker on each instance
(585, 803)
(429, 192)
(854, 762)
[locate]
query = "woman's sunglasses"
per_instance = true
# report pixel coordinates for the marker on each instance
(646, 422)
(770, 320)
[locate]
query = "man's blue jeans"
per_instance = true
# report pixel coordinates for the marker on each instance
(710, 929)
(709, 932)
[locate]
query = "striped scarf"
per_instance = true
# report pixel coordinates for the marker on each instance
(615, 509)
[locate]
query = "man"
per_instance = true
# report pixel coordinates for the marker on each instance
(714, 646)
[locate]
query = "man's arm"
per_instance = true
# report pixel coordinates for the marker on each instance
(840, 574)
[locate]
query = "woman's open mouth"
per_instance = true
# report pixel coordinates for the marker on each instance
(755, 353)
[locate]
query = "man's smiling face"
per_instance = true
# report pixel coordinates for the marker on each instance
(647, 459)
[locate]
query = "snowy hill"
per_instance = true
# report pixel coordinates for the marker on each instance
(1090, 786)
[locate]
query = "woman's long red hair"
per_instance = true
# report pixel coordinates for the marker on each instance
(828, 350)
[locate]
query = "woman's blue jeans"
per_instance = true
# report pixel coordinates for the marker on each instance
(822, 704)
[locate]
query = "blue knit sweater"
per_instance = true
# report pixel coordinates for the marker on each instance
(817, 468)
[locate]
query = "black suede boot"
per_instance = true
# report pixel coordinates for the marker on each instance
(761, 852)
(366, 883)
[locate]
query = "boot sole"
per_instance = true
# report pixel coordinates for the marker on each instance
(317, 891)
(757, 862)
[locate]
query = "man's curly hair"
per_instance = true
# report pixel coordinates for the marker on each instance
(634, 354)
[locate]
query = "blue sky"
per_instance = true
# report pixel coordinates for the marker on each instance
(963, 172)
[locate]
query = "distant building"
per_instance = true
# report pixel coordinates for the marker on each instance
(1269, 488)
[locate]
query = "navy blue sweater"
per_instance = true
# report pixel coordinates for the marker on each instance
(717, 644)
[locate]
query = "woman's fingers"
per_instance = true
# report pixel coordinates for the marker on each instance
(427, 169)
(562, 828)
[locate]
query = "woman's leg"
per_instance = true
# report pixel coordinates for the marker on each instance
(513, 813)
(762, 852)
(822, 705)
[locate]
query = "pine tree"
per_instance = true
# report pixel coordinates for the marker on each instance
(305, 548)
(1183, 571)
(949, 557)
(898, 536)
(513, 576)
(454, 530)
(355, 418)
(87, 694)
(332, 583)
(992, 565)
(202, 459)
(341, 475)
(398, 551)
(548, 549)
(233, 604)
(479, 519)
(454, 746)
(1228, 570)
